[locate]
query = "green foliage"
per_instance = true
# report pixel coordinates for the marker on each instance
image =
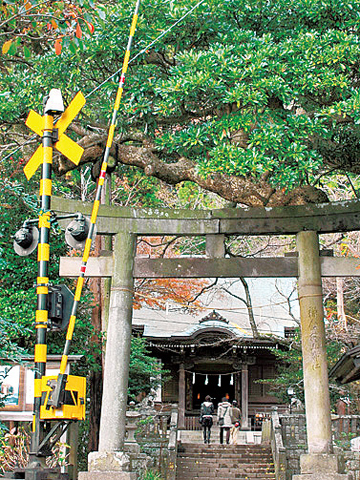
(290, 370)
(9, 330)
(146, 373)
(344, 440)
(150, 475)
(9, 348)
(248, 89)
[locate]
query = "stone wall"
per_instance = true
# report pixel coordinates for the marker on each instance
(295, 442)
(352, 463)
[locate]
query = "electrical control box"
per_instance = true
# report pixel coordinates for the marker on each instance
(73, 399)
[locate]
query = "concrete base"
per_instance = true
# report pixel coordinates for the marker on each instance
(321, 463)
(132, 447)
(109, 462)
(323, 476)
(140, 462)
(111, 475)
(108, 466)
(318, 466)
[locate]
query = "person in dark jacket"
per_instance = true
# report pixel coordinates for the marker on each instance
(206, 417)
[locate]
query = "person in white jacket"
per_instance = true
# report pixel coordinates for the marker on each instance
(224, 419)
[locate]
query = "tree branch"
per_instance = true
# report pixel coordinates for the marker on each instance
(243, 190)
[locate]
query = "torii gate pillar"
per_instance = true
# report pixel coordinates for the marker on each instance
(110, 462)
(319, 463)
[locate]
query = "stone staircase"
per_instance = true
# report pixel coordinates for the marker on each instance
(241, 462)
(196, 436)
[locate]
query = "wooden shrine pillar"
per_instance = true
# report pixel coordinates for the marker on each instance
(182, 395)
(244, 396)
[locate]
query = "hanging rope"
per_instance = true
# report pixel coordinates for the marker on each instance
(206, 375)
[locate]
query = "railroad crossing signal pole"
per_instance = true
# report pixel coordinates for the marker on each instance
(52, 136)
(42, 282)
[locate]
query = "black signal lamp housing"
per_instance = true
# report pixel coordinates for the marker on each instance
(26, 240)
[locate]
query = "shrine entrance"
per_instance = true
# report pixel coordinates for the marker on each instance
(214, 384)
(216, 358)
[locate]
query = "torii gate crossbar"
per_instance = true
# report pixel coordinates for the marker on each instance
(306, 222)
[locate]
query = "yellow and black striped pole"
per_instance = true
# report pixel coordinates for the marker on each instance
(42, 290)
(80, 281)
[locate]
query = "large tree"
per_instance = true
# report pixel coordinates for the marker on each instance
(255, 101)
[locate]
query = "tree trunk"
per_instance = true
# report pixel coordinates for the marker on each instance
(250, 308)
(340, 303)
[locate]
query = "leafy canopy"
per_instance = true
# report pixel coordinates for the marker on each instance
(249, 99)
(31, 26)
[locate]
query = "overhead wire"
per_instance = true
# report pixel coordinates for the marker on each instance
(187, 304)
(147, 47)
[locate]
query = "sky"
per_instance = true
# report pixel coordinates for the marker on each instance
(270, 309)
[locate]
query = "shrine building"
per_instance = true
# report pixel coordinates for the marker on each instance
(218, 358)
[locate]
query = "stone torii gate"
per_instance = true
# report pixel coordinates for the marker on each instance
(125, 224)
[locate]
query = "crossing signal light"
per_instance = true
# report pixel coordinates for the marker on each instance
(77, 231)
(60, 301)
(26, 240)
(54, 102)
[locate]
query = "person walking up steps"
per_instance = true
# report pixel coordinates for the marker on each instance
(224, 419)
(206, 419)
(235, 414)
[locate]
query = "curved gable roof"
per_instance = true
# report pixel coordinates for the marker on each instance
(212, 323)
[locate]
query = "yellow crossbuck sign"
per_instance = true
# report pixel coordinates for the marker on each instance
(64, 144)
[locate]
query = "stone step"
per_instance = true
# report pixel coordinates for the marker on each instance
(238, 462)
(232, 475)
(246, 467)
(237, 448)
(222, 464)
(211, 450)
(222, 449)
(228, 458)
(223, 474)
(215, 450)
(224, 471)
(216, 473)
(196, 436)
(248, 476)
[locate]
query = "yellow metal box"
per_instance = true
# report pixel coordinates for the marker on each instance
(73, 407)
